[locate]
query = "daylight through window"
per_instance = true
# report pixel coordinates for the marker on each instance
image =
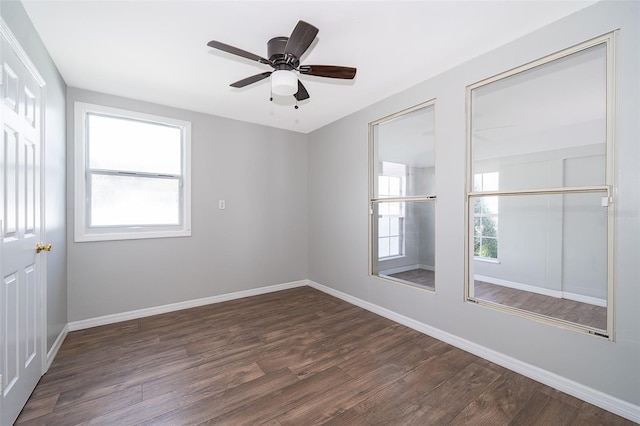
(540, 182)
(132, 173)
(402, 199)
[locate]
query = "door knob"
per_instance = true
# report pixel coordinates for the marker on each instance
(41, 247)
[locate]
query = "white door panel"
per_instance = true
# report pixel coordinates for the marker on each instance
(21, 326)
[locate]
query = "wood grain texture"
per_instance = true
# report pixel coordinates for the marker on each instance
(295, 357)
(564, 309)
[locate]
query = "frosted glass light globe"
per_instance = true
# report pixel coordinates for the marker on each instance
(284, 83)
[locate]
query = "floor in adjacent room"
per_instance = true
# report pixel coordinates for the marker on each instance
(297, 357)
(419, 276)
(564, 309)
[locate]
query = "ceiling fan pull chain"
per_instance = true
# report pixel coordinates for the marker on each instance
(296, 106)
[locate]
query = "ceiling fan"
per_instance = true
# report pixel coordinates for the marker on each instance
(284, 57)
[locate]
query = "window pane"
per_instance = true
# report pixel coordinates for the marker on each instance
(408, 254)
(552, 257)
(394, 209)
(383, 226)
(394, 246)
(408, 141)
(394, 226)
(383, 185)
(489, 248)
(132, 145)
(489, 205)
(490, 226)
(126, 201)
(490, 181)
(395, 187)
(544, 127)
(477, 205)
(383, 247)
(477, 182)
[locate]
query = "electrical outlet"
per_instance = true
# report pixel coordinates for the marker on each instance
(222, 204)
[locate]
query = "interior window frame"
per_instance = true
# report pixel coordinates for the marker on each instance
(375, 200)
(608, 188)
(83, 173)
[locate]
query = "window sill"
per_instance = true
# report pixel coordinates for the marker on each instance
(486, 260)
(115, 235)
(384, 259)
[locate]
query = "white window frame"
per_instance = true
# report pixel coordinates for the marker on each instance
(375, 200)
(82, 200)
(607, 189)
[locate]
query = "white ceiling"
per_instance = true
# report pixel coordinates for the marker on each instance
(156, 50)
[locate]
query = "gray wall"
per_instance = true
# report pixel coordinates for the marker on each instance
(260, 238)
(17, 20)
(338, 243)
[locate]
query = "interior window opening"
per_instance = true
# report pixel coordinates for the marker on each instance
(402, 199)
(540, 179)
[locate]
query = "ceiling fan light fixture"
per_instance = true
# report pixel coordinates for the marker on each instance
(284, 83)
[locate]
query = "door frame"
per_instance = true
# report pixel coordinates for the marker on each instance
(12, 41)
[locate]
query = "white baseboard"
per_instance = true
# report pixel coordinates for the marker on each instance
(584, 299)
(600, 399)
(544, 291)
(146, 312)
(56, 346)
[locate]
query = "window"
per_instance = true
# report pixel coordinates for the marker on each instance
(391, 183)
(540, 186)
(485, 214)
(402, 197)
(131, 175)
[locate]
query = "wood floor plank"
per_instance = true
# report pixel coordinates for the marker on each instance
(335, 401)
(207, 374)
(499, 403)
(77, 413)
(133, 371)
(295, 357)
(270, 405)
(38, 407)
(178, 396)
(222, 402)
(406, 393)
(543, 410)
(589, 415)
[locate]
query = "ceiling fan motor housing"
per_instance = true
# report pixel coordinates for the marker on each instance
(275, 50)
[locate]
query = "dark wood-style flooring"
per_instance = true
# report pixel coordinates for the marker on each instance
(421, 277)
(295, 357)
(564, 309)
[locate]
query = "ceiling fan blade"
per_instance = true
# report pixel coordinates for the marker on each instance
(239, 52)
(300, 39)
(250, 80)
(331, 71)
(302, 92)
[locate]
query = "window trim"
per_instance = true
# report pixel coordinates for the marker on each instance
(373, 200)
(608, 189)
(82, 233)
